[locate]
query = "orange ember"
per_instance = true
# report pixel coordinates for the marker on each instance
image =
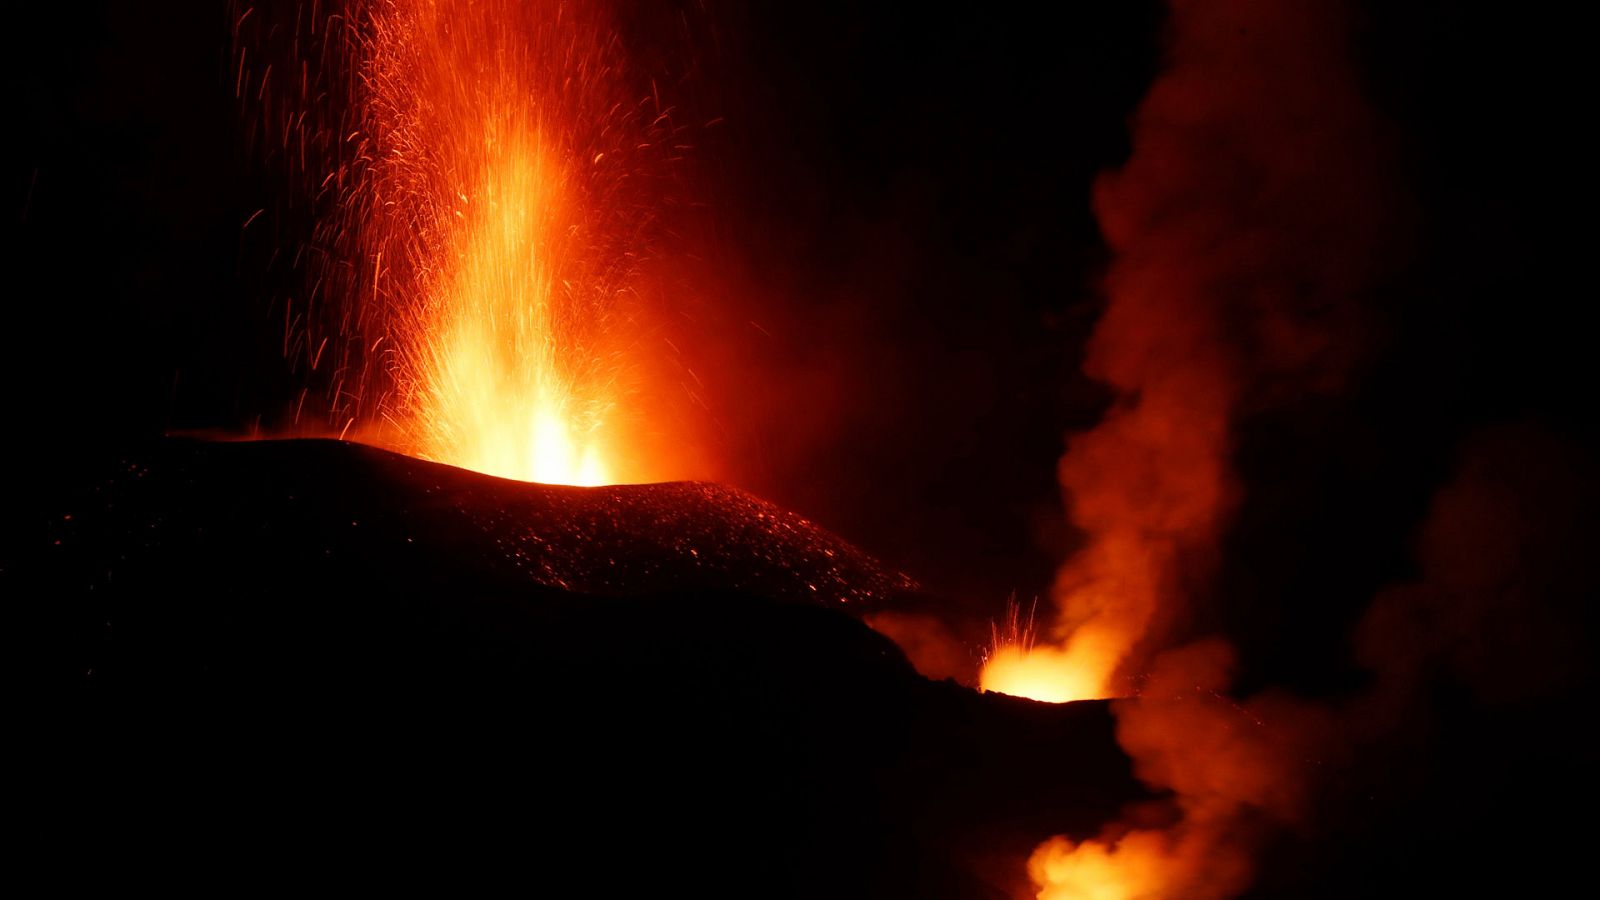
(501, 233)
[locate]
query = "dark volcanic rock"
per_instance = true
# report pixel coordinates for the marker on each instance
(343, 499)
(307, 660)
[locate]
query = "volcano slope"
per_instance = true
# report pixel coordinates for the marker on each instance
(312, 661)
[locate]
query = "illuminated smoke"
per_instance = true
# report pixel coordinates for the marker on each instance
(1503, 570)
(1504, 560)
(1245, 229)
(1249, 224)
(1237, 772)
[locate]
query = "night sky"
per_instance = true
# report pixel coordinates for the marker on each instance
(900, 202)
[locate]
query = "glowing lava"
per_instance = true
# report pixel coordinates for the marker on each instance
(1079, 670)
(1042, 673)
(1094, 870)
(505, 386)
(504, 228)
(480, 175)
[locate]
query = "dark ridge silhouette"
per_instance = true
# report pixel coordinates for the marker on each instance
(312, 662)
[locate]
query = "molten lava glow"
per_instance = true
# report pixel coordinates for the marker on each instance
(1080, 669)
(1043, 673)
(498, 228)
(495, 395)
(1132, 868)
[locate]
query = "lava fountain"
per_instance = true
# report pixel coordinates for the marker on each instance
(484, 221)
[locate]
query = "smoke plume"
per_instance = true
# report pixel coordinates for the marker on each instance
(1250, 228)
(1246, 226)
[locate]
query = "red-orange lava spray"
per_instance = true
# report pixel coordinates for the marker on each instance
(485, 211)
